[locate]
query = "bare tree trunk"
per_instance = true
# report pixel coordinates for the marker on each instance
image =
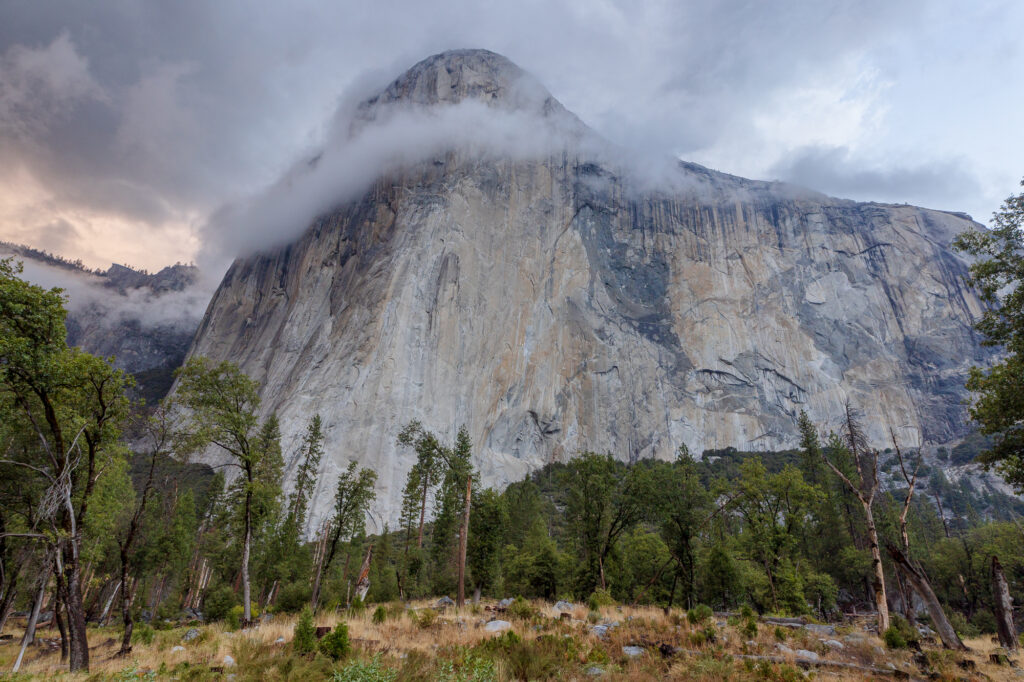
(246, 543)
(321, 554)
(126, 604)
(1003, 608)
(33, 618)
(423, 511)
(59, 619)
(363, 582)
(916, 577)
(7, 603)
(110, 602)
(464, 543)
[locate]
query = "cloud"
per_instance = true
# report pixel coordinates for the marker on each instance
(838, 171)
(151, 117)
(87, 293)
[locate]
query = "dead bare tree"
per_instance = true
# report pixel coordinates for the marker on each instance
(911, 480)
(915, 575)
(866, 461)
(1003, 608)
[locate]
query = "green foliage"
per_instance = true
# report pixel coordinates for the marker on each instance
(219, 602)
(304, 638)
(143, 633)
(699, 614)
(365, 671)
(423, 618)
(335, 644)
(293, 597)
(521, 609)
(998, 273)
(380, 614)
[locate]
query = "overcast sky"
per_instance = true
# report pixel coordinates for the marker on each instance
(124, 125)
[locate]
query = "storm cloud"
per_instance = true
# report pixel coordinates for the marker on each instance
(131, 132)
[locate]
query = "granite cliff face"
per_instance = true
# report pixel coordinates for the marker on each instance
(565, 302)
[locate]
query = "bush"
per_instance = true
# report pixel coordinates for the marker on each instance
(699, 613)
(234, 618)
(218, 602)
(900, 633)
(293, 597)
(335, 644)
(380, 614)
(304, 639)
(143, 634)
(423, 618)
(600, 598)
(363, 671)
(521, 609)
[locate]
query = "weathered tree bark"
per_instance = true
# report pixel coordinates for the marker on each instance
(33, 618)
(79, 649)
(919, 581)
(423, 510)
(126, 603)
(363, 582)
(865, 492)
(1003, 604)
(911, 479)
(463, 544)
(58, 618)
(7, 602)
(246, 546)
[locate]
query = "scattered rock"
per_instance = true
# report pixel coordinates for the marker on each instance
(497, 626)
(564, 606)
(505, 603)
(228, 661)
(833, 644)
(783, 649)
(445, 601)
(190, 634)
(177, 648)
(804, 653)
(824, 630)
(633, 651)
(279, 640)
(600, 631)
(595, 671)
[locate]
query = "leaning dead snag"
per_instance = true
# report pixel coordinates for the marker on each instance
(1003, 604)
(919, 581)
(865, 489)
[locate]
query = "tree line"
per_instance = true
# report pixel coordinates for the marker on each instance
(101, 512)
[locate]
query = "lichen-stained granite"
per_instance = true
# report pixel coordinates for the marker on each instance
(558, 304)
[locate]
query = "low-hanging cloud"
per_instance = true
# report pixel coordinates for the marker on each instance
(135, 125)
(838, 171)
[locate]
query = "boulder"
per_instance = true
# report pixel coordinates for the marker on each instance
(633, 651)
(228, 661)
(190, 634)
(177, 648)
(822, 630)
(804, 653)
(497, 626)
(833, 644)
(445, 601)
(564, 606)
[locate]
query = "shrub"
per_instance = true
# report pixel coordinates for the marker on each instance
(593, 617)
(363, 671)
(335, 644)
(218, 602)
(600, 598)
(357, 605)
(304, 639)
(900, 634)
(234, 618)
(749, 628)
(699, 613)
(521, 609)
(293, 597)
(380, 614)
(424, 618)
(143, 634)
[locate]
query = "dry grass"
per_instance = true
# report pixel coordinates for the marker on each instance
(403, 642)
